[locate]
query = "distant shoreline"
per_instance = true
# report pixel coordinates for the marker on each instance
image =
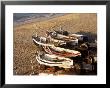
(32, 20)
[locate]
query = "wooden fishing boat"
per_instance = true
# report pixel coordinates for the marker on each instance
(61, 51)
(56, 35)
(47, 41)
(68, 39)
(53, 60)
(64, 35)
(79, 37)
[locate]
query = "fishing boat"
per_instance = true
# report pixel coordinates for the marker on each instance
(64, 35)
(53, 60)
(47, 41)
(79, 37)
(61, 51)
(68, 39)
(56, 35)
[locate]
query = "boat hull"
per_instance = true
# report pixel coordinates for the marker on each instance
(67, 63)
(61, 51)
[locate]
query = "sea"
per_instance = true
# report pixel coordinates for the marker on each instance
(22, 18)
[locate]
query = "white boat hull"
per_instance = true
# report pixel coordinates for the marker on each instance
(68, 63)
